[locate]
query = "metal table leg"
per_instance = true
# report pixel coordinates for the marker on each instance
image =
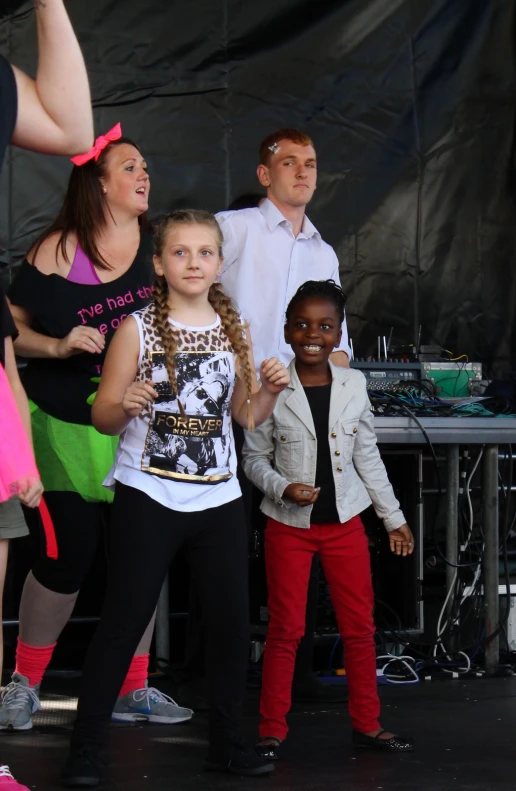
(452, 514)
(491, 532)
(162, 624)
(420, 511)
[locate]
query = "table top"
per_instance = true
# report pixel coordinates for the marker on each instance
(446, 430)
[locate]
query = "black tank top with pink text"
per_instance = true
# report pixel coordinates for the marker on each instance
(65, 388)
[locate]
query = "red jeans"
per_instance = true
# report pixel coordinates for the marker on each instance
(344, 554)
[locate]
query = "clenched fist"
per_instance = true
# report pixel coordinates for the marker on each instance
(274, 376)
(30, 491)
(136, 398)
(301, 494)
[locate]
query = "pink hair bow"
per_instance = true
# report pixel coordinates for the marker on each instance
(99, 145)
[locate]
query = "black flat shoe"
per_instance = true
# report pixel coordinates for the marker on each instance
(271, 752)
(238, 760)
(396, 744)
(82, 769)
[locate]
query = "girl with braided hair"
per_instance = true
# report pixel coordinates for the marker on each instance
(175, 375)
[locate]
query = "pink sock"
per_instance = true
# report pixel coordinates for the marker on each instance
(32, 661)
(136, 675)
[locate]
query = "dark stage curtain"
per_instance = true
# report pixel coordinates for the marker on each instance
(411, 104)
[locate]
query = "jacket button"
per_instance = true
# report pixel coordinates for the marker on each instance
(333, 435)
(339, 469)
(283, 438)
(337, 452)
(355, 430)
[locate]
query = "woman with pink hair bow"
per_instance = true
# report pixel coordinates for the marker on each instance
(84, 274)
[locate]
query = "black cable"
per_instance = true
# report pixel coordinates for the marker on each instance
(402, 635)
(455, 604)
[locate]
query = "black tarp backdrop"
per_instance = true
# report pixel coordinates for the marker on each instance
(411, 104)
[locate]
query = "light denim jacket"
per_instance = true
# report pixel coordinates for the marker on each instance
(283, 450)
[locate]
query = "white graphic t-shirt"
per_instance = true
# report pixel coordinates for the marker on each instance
(185, 462)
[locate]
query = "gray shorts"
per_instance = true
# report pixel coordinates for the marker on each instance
(12, 521)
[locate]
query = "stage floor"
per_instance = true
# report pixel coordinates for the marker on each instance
(464, 732)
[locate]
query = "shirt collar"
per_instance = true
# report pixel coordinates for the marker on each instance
(273, 218)
(337, 374)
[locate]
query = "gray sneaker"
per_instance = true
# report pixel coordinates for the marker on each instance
(18, 702)
(149, 705)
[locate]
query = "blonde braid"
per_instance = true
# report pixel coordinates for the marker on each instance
(219, 300)
(168, 336)
(235, 331)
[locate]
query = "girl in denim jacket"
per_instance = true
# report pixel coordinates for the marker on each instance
(318, 464)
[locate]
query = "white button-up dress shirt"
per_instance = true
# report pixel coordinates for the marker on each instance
(264, 265)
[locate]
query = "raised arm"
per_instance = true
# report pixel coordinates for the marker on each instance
(30, 343)
(54, 111)
(119, 398)
(274, 377)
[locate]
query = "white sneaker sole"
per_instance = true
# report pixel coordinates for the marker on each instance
(26, 727)
(136, 717)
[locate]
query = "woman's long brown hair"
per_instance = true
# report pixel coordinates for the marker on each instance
(83, 209)
(219, 300)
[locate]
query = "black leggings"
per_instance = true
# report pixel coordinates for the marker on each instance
(194, 665)
(79, 527)
(144, 538)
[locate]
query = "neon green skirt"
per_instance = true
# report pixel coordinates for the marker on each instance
(72, 457)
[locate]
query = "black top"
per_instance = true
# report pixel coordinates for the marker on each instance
(8, 112)
(325, 507)
(7, 325)
(8, 105)
(64, 388)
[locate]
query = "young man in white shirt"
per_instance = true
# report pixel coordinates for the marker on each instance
(271, 250)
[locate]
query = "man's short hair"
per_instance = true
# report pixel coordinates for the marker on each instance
(294, 135)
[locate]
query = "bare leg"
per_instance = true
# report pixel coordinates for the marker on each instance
(145, 642)
(4, 552)
(43, 613)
